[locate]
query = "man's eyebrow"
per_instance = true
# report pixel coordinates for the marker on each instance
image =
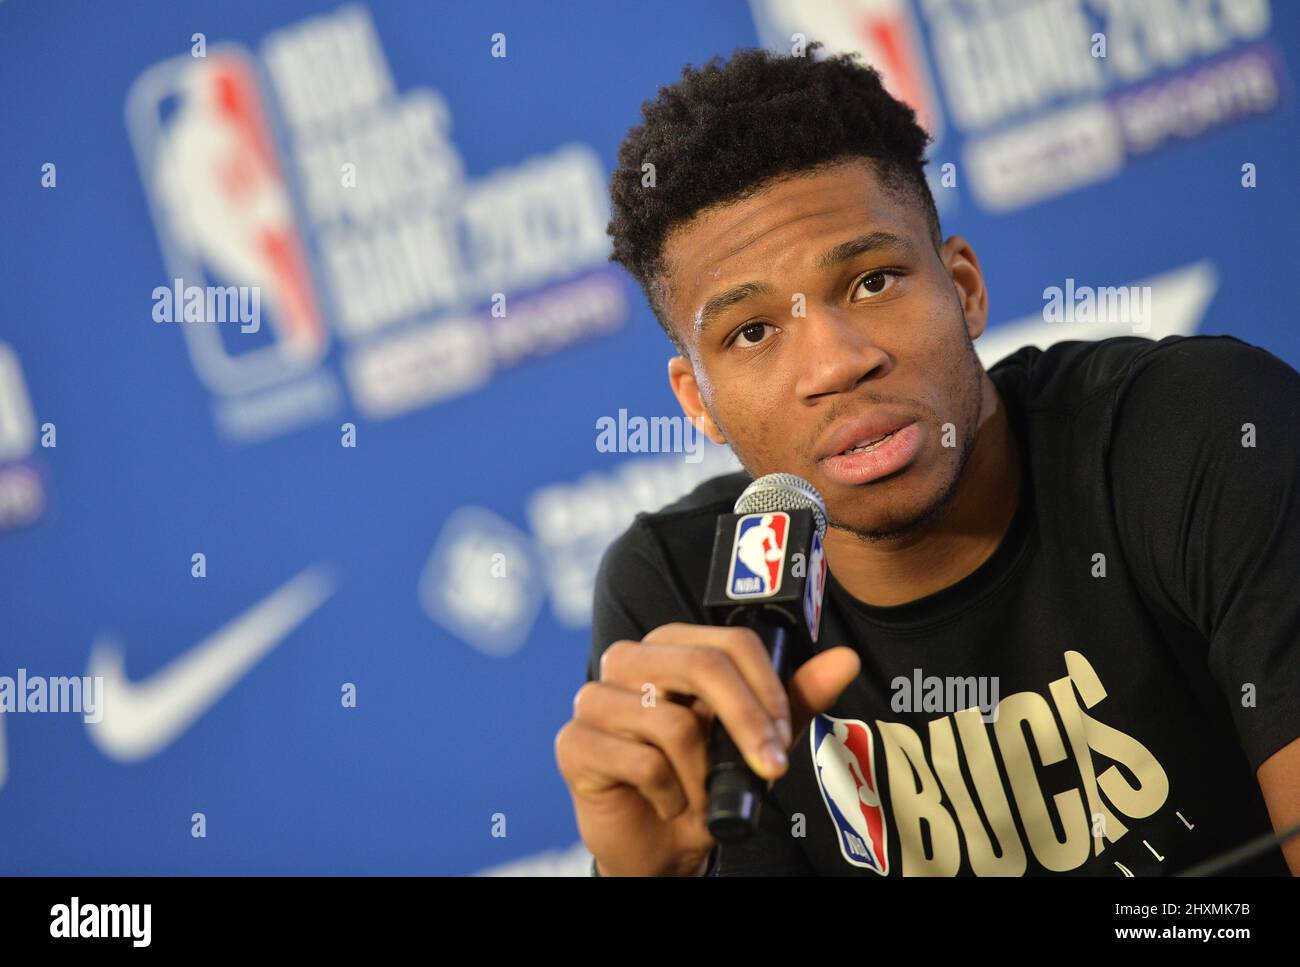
(727, 298)
(863, 243)
(724, 300)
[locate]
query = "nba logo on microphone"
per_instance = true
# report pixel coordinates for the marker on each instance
(758, 555)
(843, 755)
(815, 589)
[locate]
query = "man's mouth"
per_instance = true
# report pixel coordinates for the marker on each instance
(875, 457)
(861, 433)
(867, 446)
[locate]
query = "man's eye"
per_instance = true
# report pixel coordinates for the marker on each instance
(878, 282)
(750, 334)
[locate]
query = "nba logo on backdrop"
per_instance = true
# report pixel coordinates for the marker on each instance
(250, 167)
(884, 32)
(844, 763)
(758, 555)
(224, 213)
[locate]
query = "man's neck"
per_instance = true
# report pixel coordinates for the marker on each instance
(967, 532)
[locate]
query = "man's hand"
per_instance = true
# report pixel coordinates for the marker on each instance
(635, 757)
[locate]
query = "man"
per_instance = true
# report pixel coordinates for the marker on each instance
(1102, 538)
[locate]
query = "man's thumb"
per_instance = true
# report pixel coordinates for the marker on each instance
(819, 682)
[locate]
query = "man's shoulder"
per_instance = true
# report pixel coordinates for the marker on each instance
(676, 525)
(1068, 375)
(720, 491)
(654, 572)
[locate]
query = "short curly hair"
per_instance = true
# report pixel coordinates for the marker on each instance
(725, 131)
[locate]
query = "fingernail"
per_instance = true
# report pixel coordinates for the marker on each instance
(773, 757)
(783, 727)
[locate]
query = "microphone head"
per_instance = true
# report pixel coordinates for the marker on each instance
(783, 491)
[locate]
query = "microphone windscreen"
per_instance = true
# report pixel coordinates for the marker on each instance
(782, 491)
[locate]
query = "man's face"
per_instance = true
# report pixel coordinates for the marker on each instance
(855, 324)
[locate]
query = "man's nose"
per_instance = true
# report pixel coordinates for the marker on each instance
(837, 352)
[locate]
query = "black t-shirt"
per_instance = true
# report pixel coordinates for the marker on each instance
(1140, 622)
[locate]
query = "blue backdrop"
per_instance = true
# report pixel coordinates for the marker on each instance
(331, 560)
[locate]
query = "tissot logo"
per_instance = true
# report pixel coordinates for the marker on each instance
(103, 920)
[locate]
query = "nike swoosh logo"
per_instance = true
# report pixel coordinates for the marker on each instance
(1179, 300)
(142, 718)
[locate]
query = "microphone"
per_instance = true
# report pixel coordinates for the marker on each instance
(768, 573)
(1217, 865)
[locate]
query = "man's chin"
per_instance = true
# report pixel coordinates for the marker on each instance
(895, 523)
(876, 531)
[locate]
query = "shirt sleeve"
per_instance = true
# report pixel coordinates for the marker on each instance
(1205, 475)
(634, 594)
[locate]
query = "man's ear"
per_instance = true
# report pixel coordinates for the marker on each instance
(681, 376)
(968, 279)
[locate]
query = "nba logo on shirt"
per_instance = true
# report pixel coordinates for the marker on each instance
(758, 555)
(844, 763)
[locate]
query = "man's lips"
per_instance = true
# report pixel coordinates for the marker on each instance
(860, 431)
(893, 454)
